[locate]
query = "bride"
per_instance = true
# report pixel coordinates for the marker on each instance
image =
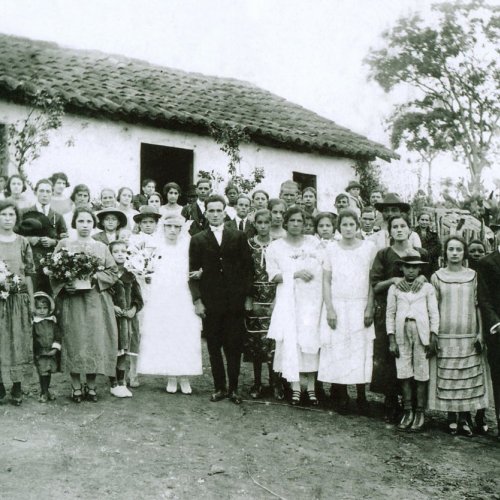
(171, 333)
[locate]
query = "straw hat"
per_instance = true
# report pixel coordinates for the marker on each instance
(52, 304)
(147, 211)
(122, 218)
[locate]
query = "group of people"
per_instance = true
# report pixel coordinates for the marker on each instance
(350, 296)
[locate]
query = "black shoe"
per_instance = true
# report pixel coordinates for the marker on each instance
(406, 421)
(256, 391)
(218, 396)
(235, 398)
(464, 429)
(90, 394)
(363, 406)
(343, 405)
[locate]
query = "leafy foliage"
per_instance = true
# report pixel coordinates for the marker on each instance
(369, 175)
(451, 67)
(229, 139)
(27, 137)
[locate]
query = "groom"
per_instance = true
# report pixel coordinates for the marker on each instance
(221, 294)
(489, 303)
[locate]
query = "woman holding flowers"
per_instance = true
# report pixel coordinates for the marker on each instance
(16, 303)
(86, 314)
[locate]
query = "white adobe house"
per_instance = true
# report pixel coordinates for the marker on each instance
(128, 120)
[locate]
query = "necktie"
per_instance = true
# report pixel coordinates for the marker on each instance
(240, 226)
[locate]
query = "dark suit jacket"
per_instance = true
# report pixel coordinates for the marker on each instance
(227, 270)
(139, 200)
(489, 290)
(249, 229)
(193, 212)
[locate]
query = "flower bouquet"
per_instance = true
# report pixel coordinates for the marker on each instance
(141, 261)
(9, 282)
(77, 268)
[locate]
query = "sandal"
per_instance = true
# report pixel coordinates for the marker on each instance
(90, 394)
(77, 395)
(295, 398)
(312, 398)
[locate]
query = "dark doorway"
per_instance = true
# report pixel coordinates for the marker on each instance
(304, 180)
(165, 164)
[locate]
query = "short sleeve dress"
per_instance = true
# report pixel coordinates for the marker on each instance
(16, 344)
(87, 317)
(296, 316)
(346, 355)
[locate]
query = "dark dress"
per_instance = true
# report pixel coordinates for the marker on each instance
(384, 378)
(16, 345)
(431, 243)
(126, 293)
(45, 333)
(257, 347)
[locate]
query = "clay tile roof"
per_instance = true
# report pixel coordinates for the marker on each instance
(115, 87)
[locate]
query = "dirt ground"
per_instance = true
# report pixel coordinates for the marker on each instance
(162, 446)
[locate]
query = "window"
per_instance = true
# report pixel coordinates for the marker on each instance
(304, 180)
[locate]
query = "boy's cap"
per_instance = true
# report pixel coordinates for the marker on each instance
(39, 295)
(411, 260)
(147, 211)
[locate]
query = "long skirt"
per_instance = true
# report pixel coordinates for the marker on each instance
(16, 341)
(90, 339)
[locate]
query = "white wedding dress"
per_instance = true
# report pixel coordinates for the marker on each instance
(171, 331)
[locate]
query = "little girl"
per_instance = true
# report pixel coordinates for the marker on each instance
(324, 224)
(127, 300)
(412, 320)
(259, 349)
(46, 342)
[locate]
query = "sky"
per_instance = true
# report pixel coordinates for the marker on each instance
(310, 51)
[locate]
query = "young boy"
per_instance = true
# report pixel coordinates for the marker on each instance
(353, 190)
(127, 299)
(46, 343)
(412, 322)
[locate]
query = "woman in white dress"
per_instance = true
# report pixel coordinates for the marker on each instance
(347, 330)
(171, 331)
(294, 262)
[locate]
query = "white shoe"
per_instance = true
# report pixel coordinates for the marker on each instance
(118, 392)
(127, 393)
(185, 386)
(171, 385)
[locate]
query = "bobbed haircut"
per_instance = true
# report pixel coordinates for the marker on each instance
(325, 215)
(275, 201)
(403, 216)
(262, 212)
(79, 188)
(80, 210)
(59, 176)
(10, 203)
(291, 212)
(347, 213)
(262, 192)
(121, 190)
(156, 193)
(8, 191)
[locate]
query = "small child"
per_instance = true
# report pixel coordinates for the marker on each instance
(46, 343)
(412, 322)
(353, 189)
(127, 299)
(324, 224)
(309, 224)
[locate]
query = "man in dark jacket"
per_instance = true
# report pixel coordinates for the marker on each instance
(196, 210)
(221, 294)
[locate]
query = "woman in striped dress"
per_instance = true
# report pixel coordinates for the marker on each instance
(458, 380)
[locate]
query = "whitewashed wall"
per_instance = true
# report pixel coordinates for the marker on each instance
(106, 153)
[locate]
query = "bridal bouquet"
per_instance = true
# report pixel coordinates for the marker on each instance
(77, 268)
(9, 282)
(141, 261)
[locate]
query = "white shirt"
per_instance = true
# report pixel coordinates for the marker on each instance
(43, 209)
(217, 230)
(201, 204)
(237, 220)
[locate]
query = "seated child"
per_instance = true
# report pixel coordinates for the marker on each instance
(412, 322)
(127, 299)
(46, 343)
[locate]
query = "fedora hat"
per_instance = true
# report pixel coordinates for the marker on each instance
(52, 304)
(121, 216)
(495, 226)
(34, 224)
(147, 211)
(392, 200)
(353, 185)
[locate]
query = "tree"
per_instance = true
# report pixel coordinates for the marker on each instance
(369, 176)
(27, 137)
(229, 138)
(450, 63)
